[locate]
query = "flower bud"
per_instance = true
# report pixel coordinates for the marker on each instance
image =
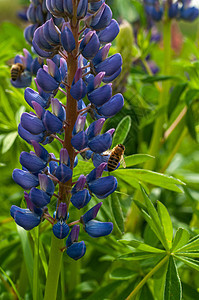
(40, 151)
(90, 44)
(46, 82)
(24, 217)
(67, 39)
(58, 110)
(103, 187)
(46, 184)
(63, 173)
(95, 128)
(51, 122)
(100, 143)
(97, 229)
(112, 106)
(31, 123)
(38, 197)
(79, 141)
(108, 34)
(27, 136)
(31, 162)
(90, 214)
(61, 229)
(30, 95)
(100, 95)
(64, 157)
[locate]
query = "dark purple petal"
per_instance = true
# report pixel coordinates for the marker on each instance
(95, 128)
(31, 123)
(24, 217)
(79, 184)
(51, 122)
(46, 82)
(100, 95)
(67, 39)
(78, 90)
(79, 141)
(62, 211)
(63, 173)
(32, 162)
(76, 250)
(109, 33)
(27, 136)
(73, 236)
(90, 214)
(61, 230)
(46, 184)
(25, 179)
(100, 143)
(30, 95)
(109, 65)
(81, 198)
(112, 107)
(40, 151)
(38, 197)
(96, 173)
(103, 186)
(97, 229)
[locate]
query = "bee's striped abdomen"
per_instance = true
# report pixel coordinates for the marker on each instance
(113, 162)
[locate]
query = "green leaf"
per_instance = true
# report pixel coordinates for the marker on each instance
(12, 283)
(194, 254)
(191, 246)
(142, 246)
(121, 131)
(150, 79)
(157, 179)
(166, 223)
(136, 256)
(175, 97)
(117, 211)
(194, 264)
(155, 219)
(9, 141)
(27, 252)
(159, 281)
(122, 274)
(190, 123)
(137, 159)
(181, 238)
(173, 289)
(146, 293)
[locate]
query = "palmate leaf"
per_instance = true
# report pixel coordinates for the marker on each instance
(137, 159)
(194, 264)
(193, 245)
(173, 289)
(154, 220)
(140, 255)
(166, 223)
(141, 246)
(117, 212)
(159, 281)
(181, 238)
(157, 179)
(121, 131)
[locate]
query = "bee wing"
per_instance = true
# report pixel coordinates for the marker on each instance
(107, 152)
(122, 161)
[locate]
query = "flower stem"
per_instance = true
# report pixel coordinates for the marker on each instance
(54, 268)
(144, 280)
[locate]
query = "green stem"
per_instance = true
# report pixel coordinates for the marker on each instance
(144, 280)
(54, 268)
(36, 264)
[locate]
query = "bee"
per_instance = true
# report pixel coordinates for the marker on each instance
(16, 71)
(116, 156)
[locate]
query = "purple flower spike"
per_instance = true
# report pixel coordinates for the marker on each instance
(25, 179)
(82, 9)
(109, 65)
(81, 198)
(38, 197)
(67, 39)
(73, 236)
(97, 229)
(30, 95)
(79, 141)
(62, 211)
(31, 123)
(112, 107)
(90, 214)
(100, 95)
(46, 184)
(103, 187)
(40, 151)
(76, 250)
(63, 173)
(95, 128)
(101, 55)
(100, 143)
(90, 44)
(61, 229)
(96, 173)
(24, 217)
(51, 122)
(58, 110)
(64, 157)
(79, 124)
(27, 136)
(109, 33)
(46, 82)
(32, 162)
(78, 90)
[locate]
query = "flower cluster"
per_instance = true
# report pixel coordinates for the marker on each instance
(179, 9)
(75, 61)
